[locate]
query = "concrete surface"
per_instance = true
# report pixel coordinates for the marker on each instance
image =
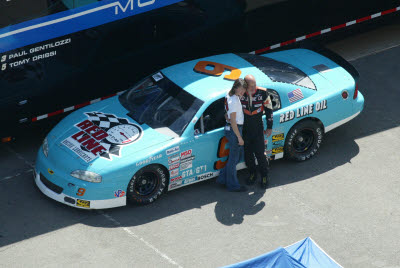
(346, 198)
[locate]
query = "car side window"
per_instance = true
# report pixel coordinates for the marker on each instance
(212, 118)
(275, 99)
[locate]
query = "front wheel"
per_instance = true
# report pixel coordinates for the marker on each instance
(147, 185)
(303, 140)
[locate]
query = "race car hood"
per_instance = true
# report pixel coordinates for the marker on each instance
(101, 136)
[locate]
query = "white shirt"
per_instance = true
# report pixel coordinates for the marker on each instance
(234, 106)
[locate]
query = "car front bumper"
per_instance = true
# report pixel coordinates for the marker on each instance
(75, 202)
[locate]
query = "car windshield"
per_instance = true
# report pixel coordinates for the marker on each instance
(161, 104)
(279, 71)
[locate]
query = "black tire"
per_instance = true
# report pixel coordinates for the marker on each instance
(147, 185)
(303, 140)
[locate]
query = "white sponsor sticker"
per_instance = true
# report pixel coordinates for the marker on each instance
(190, 180)
(157, 77)
(176, 179)
(173, 159)
(174, 166)
(205, 176)
(186, 154)
(172, 150)
(174, 172)
(186, 165)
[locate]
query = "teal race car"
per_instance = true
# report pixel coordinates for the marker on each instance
(166, 132)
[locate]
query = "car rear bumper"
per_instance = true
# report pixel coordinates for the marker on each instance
(51, 191)
(358, 106)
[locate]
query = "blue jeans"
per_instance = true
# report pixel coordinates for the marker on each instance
(228, 174)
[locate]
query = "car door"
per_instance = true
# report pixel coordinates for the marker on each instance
(210, 141)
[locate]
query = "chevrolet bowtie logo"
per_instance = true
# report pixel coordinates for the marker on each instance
(51, 172)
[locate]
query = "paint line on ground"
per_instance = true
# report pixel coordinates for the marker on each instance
(132, 234)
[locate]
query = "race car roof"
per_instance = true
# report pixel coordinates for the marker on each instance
(205, 86)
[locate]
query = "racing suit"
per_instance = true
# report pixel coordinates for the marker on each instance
(253, 129)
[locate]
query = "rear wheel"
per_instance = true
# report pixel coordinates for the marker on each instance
(147, 185)
(303, 140)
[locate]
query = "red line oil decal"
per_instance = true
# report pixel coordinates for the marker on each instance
(102, 135)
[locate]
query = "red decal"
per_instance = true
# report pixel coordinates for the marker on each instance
(76, 135)
(90, 144)
(93, 129)
(85, 124)
(98, 149)
(99, 135)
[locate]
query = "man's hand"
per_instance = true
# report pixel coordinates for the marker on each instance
(241, 141)
(268, 132)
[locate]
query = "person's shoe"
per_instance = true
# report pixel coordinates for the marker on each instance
(251, 179)
(264, 182)
(241, 189)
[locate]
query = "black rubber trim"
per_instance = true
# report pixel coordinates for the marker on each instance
(55, 188)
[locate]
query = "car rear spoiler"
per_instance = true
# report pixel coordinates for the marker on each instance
(332, 56)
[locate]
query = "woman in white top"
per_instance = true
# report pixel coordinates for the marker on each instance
(233, 132)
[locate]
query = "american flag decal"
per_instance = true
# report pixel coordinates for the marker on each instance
(295, 95)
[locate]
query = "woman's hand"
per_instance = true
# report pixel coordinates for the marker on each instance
(241, 141)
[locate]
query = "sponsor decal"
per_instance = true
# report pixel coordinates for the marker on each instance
(201, 169)
(277, 150)
(295, 95)
(119, 193)
(81, 192)
(303, 111)
(278, 143)
(186, 154)
(175, 185)
(176, 179)
(191, 158)
(268, 152)
(205, 176)
(186, 165)
(174, 172)
(278, 137)
(51, 172)
(83, 203)
(173, 159)
(174, 166)
(278, 130)
(189, 180)
(172, 150)
(187, 173)
(102, 135)
(149, 160)
(157, 77)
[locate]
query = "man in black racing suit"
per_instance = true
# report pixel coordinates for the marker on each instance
(255, 102)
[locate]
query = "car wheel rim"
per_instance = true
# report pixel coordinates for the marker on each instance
(146, 183)
(303, 140)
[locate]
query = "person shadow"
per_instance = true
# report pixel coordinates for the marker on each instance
(231, 208)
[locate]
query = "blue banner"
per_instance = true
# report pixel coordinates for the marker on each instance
(74, 20)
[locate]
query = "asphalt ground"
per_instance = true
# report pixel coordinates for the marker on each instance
(346, 198)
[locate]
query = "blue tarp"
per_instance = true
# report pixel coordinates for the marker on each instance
(303, 254)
